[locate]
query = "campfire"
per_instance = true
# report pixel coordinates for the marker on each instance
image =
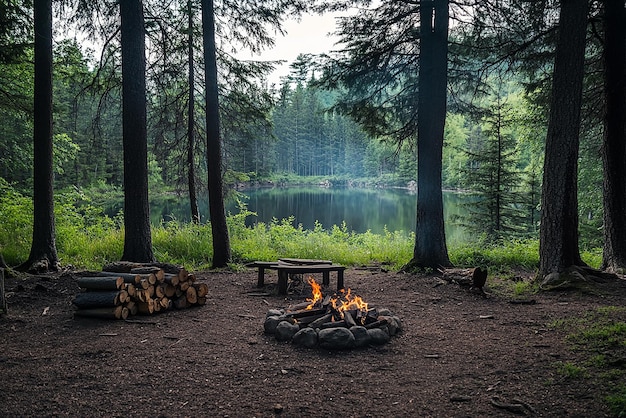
(337, 321)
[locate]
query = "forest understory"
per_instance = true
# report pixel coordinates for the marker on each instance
(460, 354)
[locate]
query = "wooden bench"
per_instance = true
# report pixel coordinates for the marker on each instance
(288, 266)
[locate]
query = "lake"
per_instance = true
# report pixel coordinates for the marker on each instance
(361, 209)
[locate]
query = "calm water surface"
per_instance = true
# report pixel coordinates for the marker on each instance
(361, 209)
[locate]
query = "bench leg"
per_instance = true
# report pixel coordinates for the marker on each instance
(261, 279)
(326, 278)
(340, 280)
(282, 282)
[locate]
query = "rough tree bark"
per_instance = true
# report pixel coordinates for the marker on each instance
(43, 253)
(219, 229)
(191, 166)
(137, 235)
(430, 241)
(558, 246)
(614, 147)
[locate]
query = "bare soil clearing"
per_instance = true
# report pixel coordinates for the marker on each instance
(459, 355)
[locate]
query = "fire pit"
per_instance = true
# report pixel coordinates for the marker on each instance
(338, 321)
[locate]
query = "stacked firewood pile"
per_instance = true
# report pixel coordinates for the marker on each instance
(123, 289)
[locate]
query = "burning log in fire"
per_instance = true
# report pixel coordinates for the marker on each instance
(336, 321)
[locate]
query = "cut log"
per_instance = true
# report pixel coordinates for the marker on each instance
(101, 282)
(183, 274)
(128, 278)
(304, 313)
(298, 307)
(318, 322)
(169, 290)
(141, 295)
(165, 303)
(145, 308)
(201, 301)
(150, 291)
(181, 302)
(172, 279)
(117, 312)
(132, 307)
(307, 319)
(347, 316)
(334, 324)
(202, 289)
(100, 299)
(143, 283)
(157, 272)
(184, 286)
(159, 290)
(191, 295)
(191, 278)
(160, 276)
(130, 288)
(152, 279)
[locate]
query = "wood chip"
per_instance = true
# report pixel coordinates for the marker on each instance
(106, 334)
(486, 317)
(431, 356)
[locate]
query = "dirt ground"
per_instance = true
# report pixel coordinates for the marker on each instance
(457, 353)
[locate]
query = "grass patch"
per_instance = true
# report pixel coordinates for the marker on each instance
(87, 238)
(599, 337)
(570, 370)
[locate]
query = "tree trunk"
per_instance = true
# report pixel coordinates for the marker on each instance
(430, 242)
(614, 147)
(43, 253)
(219, 229)
(137, 235)
(191, 167)
(558, 248)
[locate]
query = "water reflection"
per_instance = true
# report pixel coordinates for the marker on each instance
(361, 209)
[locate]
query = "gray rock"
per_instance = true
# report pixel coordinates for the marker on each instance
(378, 336)
(361, 337)
(384, 312)
(398, 322)
(306, 337)
(273, 312)
(393, 325)
(270, 324)
(336, 338)
(285, 331)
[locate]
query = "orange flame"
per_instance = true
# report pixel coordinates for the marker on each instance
(316, 291)
(349, 302)
(342, 303)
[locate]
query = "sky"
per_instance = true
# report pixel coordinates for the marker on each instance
(309, 35)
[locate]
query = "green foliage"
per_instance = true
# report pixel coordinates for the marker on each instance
(16, 226)
(454, 159)
(600, 338)
(65, 152)
(523, 254)
(282, 239)
(617, 401)
(87, 238)
(570, 370)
